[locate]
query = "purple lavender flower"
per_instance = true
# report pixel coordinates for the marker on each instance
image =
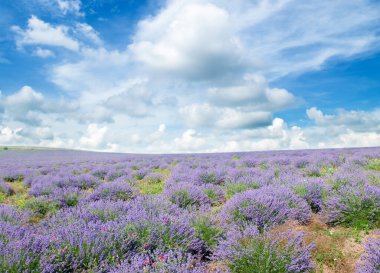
(162, 262)
(370, 260)
(265, 207)
(6, 189)
(251, 251)
(354, 206)
(186, 195)
(113, 191)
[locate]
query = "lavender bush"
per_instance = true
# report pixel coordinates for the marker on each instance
(251, 251)
(370, 260)
(265, 207)
(67, 211)
(186, 195)
(357, 207)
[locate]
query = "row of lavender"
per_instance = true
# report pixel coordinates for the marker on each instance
(89, 212)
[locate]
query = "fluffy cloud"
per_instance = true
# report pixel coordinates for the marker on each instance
(358, 120)
(249, 105)
(39, 32)
(28, 106)
(205, 115)
(202, 39)
(192, 40)
(95, 136)
(201, 59)
(254, 94)
(10, 136)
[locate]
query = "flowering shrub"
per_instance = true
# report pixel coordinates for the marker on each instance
(215, 193)
(314, 192)
(98, 212)
(265, 207)
(113, 191)
(370, 260)
(186, 195)
(5, 189)
(161, 262)
(251, 251)
(357, 207)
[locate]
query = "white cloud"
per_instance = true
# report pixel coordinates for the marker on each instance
(95, 72)
(39, 32)
(29, 106)
(95, 136)
(208, 116)
(254, 94)
(249, 105)
(201, 39)
(88, 33)
(43, 53)
(9, 136)
(135, 101)
(200, 59)
(70, 6)
(358, 120)
(192, 40)
(190, 140)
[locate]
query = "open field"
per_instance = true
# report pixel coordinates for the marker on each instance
(285, 211)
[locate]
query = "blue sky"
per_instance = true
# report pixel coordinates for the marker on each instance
(190, 76)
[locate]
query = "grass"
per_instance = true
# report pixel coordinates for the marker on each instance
(336, 249)
(234, 188)
(374, 164)
(153, 186)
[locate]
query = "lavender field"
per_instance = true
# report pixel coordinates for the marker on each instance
(288, 211)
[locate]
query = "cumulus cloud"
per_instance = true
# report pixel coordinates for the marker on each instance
(249, 105)
(205, 115)
(10, 136)
(358, 120)
(192, 40)
(212, 62)
(201, 39)
(190, 140)
(254, 94)
(94, 137)
(39, 32)
(28, 106)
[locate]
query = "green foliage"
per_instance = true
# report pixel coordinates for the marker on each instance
(151, 186)
(40, 208)
(213, 195)
(207, 231)
(234, 188)
(185, 199)
(331, 257)
(13, 178)
(260, 257)
(364, 215)
(300, 190)
(374, 164)
(2, 197)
